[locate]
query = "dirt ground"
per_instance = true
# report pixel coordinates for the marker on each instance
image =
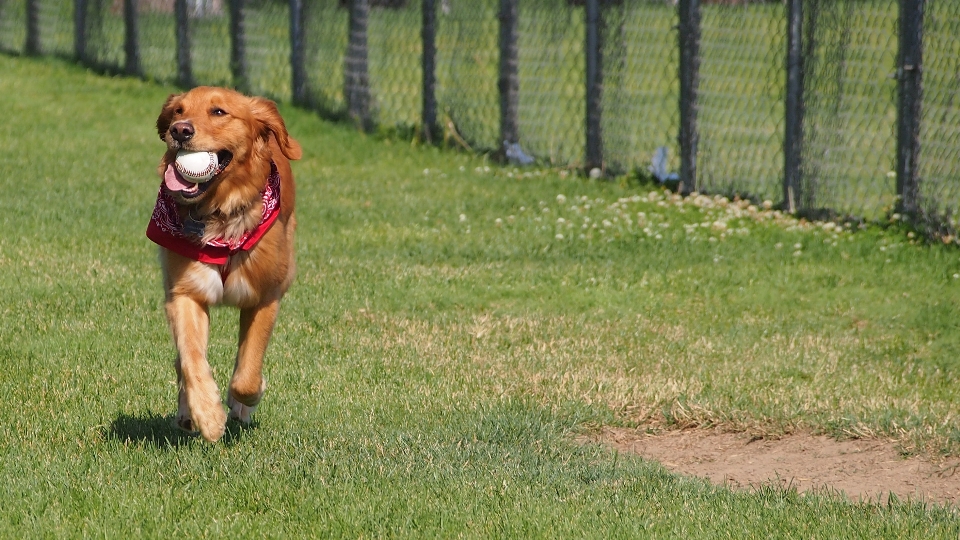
(862, 469)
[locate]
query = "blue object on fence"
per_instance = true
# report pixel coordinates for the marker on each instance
(516, 155)
(658, 166)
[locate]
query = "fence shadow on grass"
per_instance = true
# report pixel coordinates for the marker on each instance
(157, 430)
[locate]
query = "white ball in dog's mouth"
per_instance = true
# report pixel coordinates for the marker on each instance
(196, 166)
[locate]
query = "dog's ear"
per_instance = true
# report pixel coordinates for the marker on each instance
(166, 114)
(268, 117)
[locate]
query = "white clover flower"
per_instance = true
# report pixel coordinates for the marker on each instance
(498, 222)
(559, 236)
(778, 245)
(546, 210)
(426, 171)
(561, 199)
(510, 218)
(463, 218)
(798, 246)
(561, 220)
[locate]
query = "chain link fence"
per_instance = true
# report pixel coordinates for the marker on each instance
(851, 107)
(940, 123)
(845, 107)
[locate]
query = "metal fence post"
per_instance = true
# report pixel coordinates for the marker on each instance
(298, 64)
(509, 80)
(184, 65)
(428, 34)
(910, 86)
(793, 123)
(80, 30)
(594, 90)
(689, 37)
(32, 45)
(356, 80)
(238, 49)
(132, 38)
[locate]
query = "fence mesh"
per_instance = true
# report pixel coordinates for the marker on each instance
(467, 69)
(104, 31)
(640, 87)
(850, 125)
(325, 41)
(267, 41)
(940, 124)
(395, 50)
(741, 98)
(550, 59)
(56, 27)
(158, 41)
(209, 24)
(849, 97)
(13, 27)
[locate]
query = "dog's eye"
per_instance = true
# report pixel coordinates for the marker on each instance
(179, 110)
(217, 111)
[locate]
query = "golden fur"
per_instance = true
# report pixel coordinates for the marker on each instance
(253, 132)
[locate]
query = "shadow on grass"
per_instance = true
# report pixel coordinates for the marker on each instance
(160, 431)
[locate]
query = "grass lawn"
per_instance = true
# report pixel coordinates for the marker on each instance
(453, 325)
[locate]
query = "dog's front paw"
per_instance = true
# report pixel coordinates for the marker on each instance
(211, 425)
(207, 416)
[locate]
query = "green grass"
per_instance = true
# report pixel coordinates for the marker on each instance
(432, 364)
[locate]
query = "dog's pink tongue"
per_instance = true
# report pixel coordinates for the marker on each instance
(175, 182)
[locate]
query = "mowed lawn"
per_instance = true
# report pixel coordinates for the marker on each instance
(454, 325)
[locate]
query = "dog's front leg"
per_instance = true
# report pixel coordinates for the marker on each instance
(190, 324)
(247, 385)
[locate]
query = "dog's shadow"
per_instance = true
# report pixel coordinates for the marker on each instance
(160, 431)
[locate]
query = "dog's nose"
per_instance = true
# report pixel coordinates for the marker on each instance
(182, 131)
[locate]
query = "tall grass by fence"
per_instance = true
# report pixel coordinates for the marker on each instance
(845, 106)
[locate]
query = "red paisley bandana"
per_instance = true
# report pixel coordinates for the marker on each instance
(166, 230)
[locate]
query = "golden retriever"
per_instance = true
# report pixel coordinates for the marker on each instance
(226, 241)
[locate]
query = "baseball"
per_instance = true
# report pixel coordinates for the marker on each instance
(196, 166)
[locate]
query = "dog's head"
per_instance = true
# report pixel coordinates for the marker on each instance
(236, 127)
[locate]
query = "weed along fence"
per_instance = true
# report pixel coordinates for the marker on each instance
(844, 106)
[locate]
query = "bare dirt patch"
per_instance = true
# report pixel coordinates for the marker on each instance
(862, 469)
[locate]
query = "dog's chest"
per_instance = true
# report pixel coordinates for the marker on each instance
(207, 282)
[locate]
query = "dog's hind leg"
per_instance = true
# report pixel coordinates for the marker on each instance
(247, 385)
(190, 324)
